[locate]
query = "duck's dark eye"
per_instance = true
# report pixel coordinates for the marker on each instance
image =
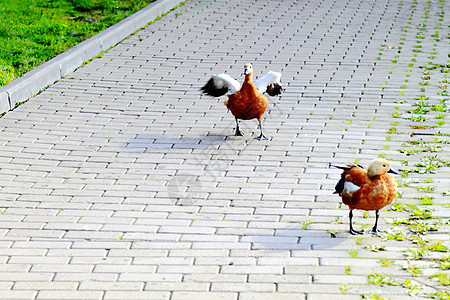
(384, 166)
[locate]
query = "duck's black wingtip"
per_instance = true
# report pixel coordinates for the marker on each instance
(212, 90)
(274, 89)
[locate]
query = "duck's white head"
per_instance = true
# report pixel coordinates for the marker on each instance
(379, 166)
(248, 69)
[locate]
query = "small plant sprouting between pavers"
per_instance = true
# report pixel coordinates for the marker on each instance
(428, 164)
(381, 279)
(386, 262)
(305, 224)
(376, 248)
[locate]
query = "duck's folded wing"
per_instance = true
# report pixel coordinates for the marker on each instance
(342, 184)
(221, 84)
(270, 83)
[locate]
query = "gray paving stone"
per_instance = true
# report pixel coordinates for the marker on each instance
(45, 285)
(277, 295)
(54, 294)
(136, 295)
(11, 294)
(205, 295)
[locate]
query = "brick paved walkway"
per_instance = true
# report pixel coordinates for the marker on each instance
(121, 181)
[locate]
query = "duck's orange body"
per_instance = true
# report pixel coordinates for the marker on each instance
(370, 189)
(374, 193)
(247, 103)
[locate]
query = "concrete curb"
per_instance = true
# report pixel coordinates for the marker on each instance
(42, 76)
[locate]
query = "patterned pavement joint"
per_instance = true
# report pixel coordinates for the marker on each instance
(121, 181)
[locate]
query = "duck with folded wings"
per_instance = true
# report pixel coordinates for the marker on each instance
(370, 189)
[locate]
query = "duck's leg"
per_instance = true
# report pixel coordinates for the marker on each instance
(261, 136)
(238, 131)
(375, 229)
(352, 231)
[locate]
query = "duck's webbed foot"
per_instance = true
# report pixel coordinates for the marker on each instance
(355, 232)
(375, 231)
(261, 137)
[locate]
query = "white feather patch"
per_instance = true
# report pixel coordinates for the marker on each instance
(268, 79)
(350, 187)
(222, 80)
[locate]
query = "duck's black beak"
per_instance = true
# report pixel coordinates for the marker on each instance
(392, 171)
(246, 71)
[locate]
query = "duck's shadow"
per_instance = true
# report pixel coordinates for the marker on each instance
(212, 138)
(163, 141)
(299, 241)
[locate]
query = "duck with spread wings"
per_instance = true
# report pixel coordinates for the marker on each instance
(246, 101)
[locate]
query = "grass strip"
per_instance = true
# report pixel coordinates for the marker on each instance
(34, 31)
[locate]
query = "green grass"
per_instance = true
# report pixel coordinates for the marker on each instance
(442, 278)
(34, 31)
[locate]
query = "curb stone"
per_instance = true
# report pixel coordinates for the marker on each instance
(42, 76)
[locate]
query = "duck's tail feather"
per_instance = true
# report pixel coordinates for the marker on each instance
(339, 186)
(347, 167)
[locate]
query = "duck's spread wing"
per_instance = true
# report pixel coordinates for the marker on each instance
(270, 83)
(219, 85)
